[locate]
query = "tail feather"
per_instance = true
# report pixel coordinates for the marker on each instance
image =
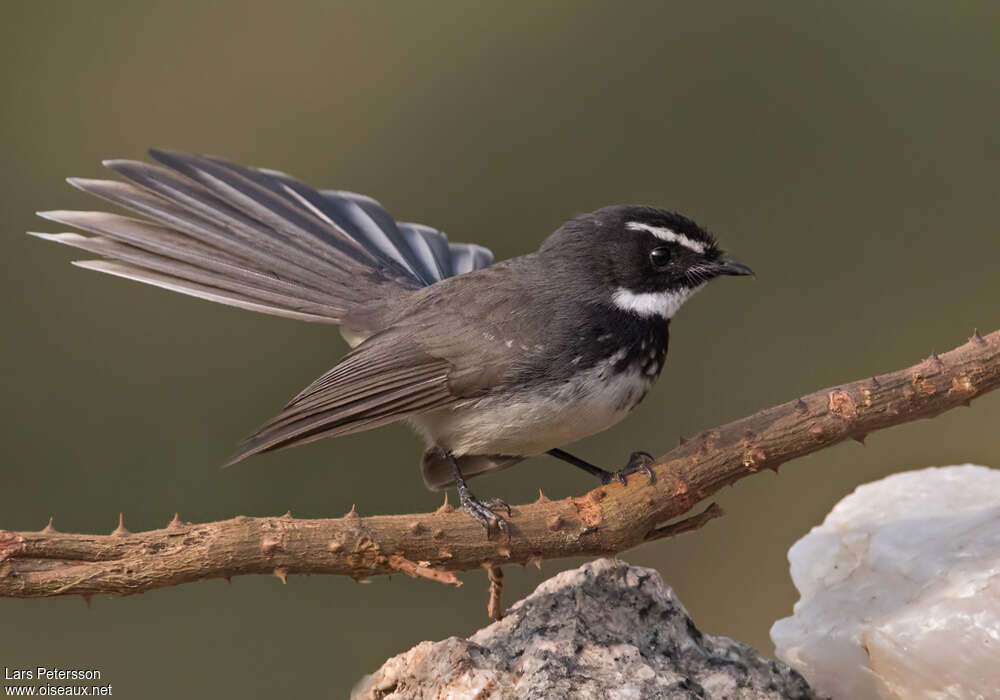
(257, 239)
(220, 222)
(466, 257)
(431, 246)
(169, 246)
(139, 274)
(358, 217)
(377, 230)
(188, 229)
(169, 243)
(272, 213)
(246, 284)
(445, 258)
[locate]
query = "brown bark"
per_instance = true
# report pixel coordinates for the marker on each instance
(608, 519)
(494, 608)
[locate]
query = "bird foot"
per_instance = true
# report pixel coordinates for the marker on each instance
(485, 512)
(637, 462)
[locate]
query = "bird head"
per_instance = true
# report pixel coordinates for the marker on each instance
(646, 261)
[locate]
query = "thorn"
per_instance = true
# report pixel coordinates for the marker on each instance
(935, 359)
(860, 438)
(353, 512)
(774, 468)
(976, 338)
(120, 531)
(681, 440)
(542, 498)
(288, 514)
(504, 551)
(537, 563)
(229, 579)
(875, 383)
(49, 529)
(445, 507)
(282, 573)
(416, 528)
(801, 408)
(444, 554)
(437, 534)
(816, 431)
(86, 598)
(175, 522)
(335, 546)
(268, 545)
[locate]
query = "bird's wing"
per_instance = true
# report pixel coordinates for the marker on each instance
(385, 379)
(451, 342)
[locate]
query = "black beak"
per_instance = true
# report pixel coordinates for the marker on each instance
(731, 267)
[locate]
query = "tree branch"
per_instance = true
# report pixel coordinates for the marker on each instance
(607, 520)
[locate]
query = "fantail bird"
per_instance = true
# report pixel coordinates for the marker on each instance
(490, 363)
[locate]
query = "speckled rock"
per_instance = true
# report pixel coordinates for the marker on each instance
(605, 630)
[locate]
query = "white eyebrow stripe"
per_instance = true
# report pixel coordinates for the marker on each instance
(666, 234)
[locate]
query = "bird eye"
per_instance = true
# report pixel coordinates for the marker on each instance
(660, 257)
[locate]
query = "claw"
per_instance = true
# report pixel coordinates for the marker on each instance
(480, 510)
(637, 462)
(494, 503)
(640, 462)
(483, 511)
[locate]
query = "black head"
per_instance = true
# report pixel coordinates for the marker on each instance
(645, 260)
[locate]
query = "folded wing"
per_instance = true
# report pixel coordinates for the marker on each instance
(384, 379)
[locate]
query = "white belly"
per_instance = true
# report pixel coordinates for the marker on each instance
(523, 425)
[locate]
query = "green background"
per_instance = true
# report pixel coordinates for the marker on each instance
(846, 151)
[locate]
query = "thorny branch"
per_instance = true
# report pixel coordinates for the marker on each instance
(607, 520)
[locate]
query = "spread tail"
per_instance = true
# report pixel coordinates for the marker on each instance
(256, 239)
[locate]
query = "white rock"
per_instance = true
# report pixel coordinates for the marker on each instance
(900, 590)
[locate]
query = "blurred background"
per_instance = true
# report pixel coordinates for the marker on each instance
(847, 152)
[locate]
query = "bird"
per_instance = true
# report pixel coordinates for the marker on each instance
(491, 363)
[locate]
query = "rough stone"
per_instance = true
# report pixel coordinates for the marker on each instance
(605, 630)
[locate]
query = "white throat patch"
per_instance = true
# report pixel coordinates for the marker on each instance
(646, 304)
(666, 234)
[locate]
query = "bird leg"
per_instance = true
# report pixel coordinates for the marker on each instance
(483, 511)
(637, 462)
